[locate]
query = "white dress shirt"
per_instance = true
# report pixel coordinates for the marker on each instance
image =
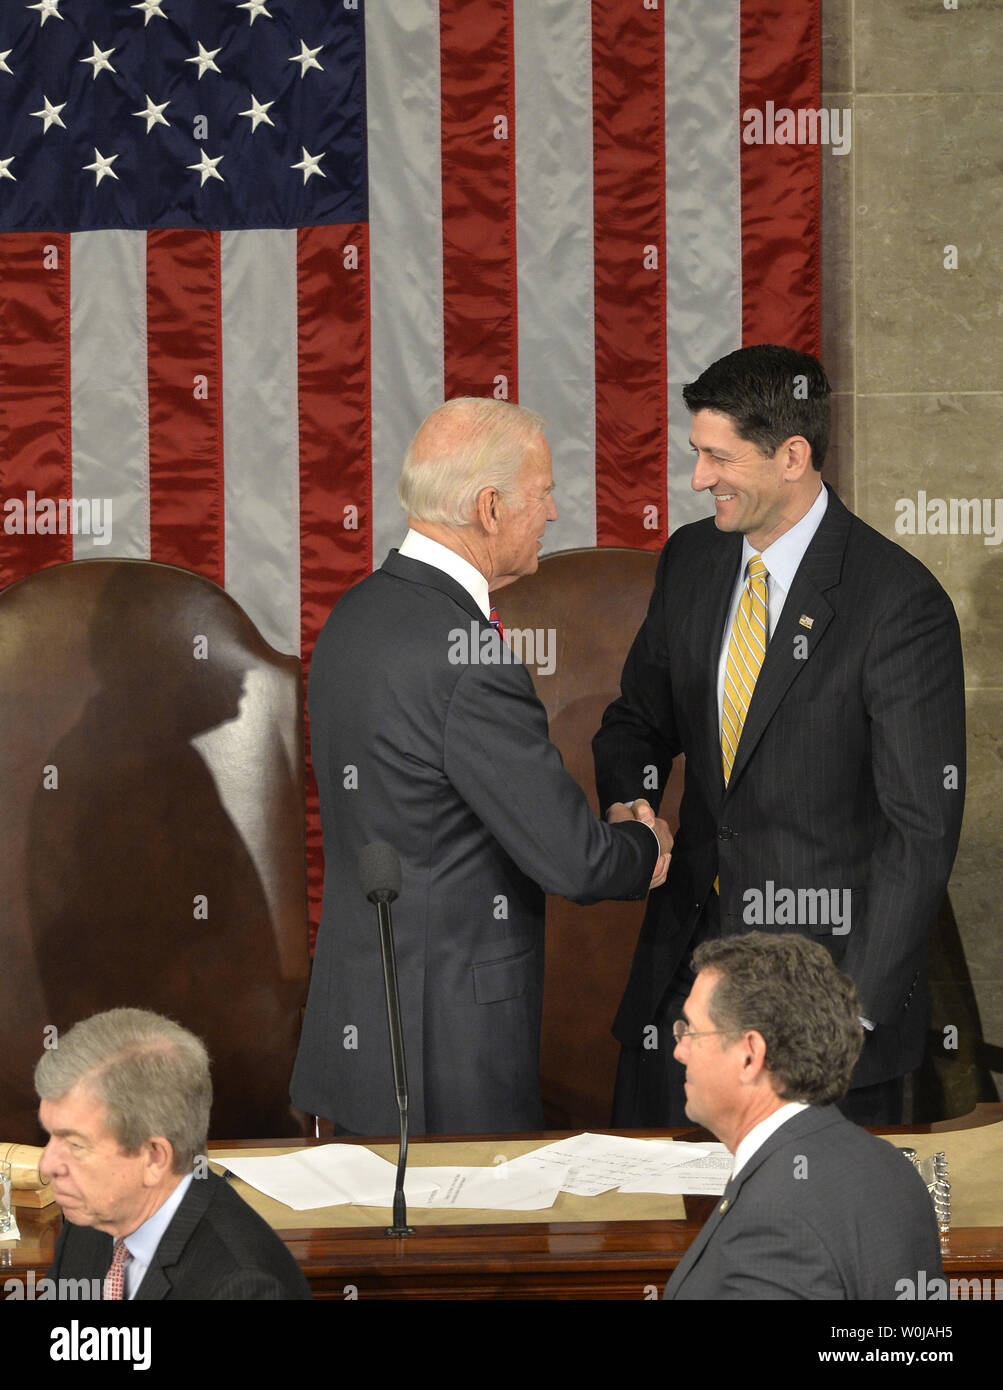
(758, 1135)
(440, 557)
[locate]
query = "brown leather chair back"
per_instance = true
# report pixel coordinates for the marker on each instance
(151, 828)
(593, 601)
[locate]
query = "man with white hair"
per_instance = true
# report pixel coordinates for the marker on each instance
(428, 734)
(125, 1099)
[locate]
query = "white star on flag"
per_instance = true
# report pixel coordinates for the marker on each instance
(46, 8)
(254, 8)
(50, 114)
(204, 58)
(99, 60)
(151, 10)
(5, 173)
(3, 61)
(310, 164)
(207, 168)
(258, 111)
(153, 113)
(307, 58)
(102, 165)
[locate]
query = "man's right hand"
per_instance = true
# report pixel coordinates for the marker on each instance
(642, 811)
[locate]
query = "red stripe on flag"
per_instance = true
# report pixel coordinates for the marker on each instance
(629, 211)
(780, 63)
(335, 447)
(185, 373)
(35, 430)
(478, 199)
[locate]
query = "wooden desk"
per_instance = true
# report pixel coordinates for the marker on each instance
(552, 1260)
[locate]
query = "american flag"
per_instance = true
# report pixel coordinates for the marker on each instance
(248, 244)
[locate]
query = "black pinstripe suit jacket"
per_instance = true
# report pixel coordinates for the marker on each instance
(216, 1247)
(848, 780)
(823, 1210)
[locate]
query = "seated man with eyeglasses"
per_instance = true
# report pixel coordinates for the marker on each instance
(816, 1208)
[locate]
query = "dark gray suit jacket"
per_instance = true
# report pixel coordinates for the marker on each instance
(823, 1210)
(216, 1247)
(448, 759)
(849, 775)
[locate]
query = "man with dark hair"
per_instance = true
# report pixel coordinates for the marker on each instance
(810, 671)
(815, 1207)
(771, 394)
(125, 1101)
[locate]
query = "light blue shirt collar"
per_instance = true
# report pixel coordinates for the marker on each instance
(142, 1244)
(787, 551)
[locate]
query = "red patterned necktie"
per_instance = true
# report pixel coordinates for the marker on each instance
(114, 1280)
(496, 622)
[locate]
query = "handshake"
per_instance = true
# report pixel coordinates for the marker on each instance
(640, 810)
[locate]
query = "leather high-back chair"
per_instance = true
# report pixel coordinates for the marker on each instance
(151, 828)
(592, 602)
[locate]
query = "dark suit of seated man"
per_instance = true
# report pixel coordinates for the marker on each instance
(816, 1207)
(125, 1100)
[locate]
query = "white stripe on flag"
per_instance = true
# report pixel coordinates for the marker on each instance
(108, 387)
(260, 430)
(405, 229)
(703, 215)
(553, 132)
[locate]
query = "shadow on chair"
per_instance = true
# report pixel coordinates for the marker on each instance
(151, 817)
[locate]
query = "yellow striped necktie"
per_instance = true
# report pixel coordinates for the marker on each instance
(746, 650)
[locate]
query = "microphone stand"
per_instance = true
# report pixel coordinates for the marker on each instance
(382, 899)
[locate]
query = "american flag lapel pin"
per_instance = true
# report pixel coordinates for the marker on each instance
(805, 621)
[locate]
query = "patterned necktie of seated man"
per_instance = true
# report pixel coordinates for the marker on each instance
(114, 1280)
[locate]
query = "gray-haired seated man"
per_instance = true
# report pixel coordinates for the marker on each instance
(125, 1099)
(816, 1207)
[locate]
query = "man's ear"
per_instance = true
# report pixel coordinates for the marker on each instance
(159, 1160)
(489, 509)
(795, 456)
(753, 1056)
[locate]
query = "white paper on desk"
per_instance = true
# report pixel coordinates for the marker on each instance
(335, 1174)
(492, 1189)
(327, 1176)
(477, 1188)
(600, 1162)
(705, 1173)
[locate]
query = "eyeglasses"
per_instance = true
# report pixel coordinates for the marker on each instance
(681, 1029)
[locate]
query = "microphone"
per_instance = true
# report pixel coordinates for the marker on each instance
(380, 872)
(380, 878)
